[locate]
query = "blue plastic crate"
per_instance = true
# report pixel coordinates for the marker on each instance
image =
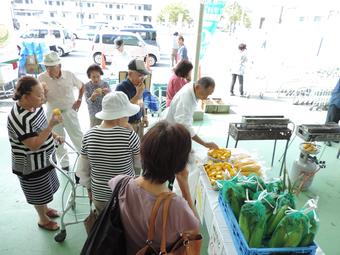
(241, 245)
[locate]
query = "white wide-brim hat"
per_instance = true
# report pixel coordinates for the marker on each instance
(116, 105)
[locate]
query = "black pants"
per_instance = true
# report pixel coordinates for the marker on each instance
(240, 81)
(333, 114)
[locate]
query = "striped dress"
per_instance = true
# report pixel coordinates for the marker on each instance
(37, 176)
(110, 152)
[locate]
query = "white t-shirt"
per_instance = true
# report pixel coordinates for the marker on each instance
(239, 62)
(175, 45)
(182, 107)
(120, 61)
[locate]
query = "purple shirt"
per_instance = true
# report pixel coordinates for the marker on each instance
(135, 207)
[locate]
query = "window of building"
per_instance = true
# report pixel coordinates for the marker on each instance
(120, 17)
(110, 6)
(88, 4)
(18, 1)
(147, 18)
(147, 7)
(118, 6)
(58, 3)
(50, 2)
(301, 19)
(27, 1)
(62, 3)
(317, 18)
(52, 14)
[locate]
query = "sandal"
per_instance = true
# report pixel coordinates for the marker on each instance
(50, 226)
(51, 213)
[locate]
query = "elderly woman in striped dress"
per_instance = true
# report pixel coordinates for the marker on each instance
(32, 142)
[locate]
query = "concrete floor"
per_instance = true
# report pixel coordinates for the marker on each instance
(19, 233)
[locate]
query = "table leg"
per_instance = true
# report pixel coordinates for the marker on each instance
(236, 143)
(337, 156)
(227, 141)
(273, 152)
(284, 157)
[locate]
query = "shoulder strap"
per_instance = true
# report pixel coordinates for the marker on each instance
(164, 220)
(152, 219)
(121, 184)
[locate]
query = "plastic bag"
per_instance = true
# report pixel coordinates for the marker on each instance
(150, 101)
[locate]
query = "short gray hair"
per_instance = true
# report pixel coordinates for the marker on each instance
(206, 82)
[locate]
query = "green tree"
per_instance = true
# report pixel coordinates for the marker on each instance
(173, 11)
(235, 16)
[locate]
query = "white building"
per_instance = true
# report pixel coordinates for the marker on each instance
(75, 12)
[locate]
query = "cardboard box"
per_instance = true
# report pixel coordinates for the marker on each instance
(198, 115)
(215, 105)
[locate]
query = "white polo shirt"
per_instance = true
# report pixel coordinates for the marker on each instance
(61, 91)
(182, 107)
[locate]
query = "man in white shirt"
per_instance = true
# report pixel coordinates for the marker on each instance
(59, 86)
(184, 103)
(120, 59)
(174, 49)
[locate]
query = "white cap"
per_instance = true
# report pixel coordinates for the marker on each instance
(51, 59)
(116, 105)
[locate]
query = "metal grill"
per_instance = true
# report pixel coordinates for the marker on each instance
(319, 133)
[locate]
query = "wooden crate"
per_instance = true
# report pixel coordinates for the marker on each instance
(215, 105)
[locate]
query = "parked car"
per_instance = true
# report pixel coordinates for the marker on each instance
(86, 31)
(149, 35)
(64, 39)
(134, 45)
(144, 24)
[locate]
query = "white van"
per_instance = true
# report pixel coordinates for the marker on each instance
(103, 42)
(64, 39)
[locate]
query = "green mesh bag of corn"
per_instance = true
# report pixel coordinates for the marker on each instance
(252, 222)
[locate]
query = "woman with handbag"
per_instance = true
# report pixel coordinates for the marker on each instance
(165, 150)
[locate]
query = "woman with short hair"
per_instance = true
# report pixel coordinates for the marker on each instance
(165, 151)
(180, 77)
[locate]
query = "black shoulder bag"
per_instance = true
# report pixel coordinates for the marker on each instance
(107, 234)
